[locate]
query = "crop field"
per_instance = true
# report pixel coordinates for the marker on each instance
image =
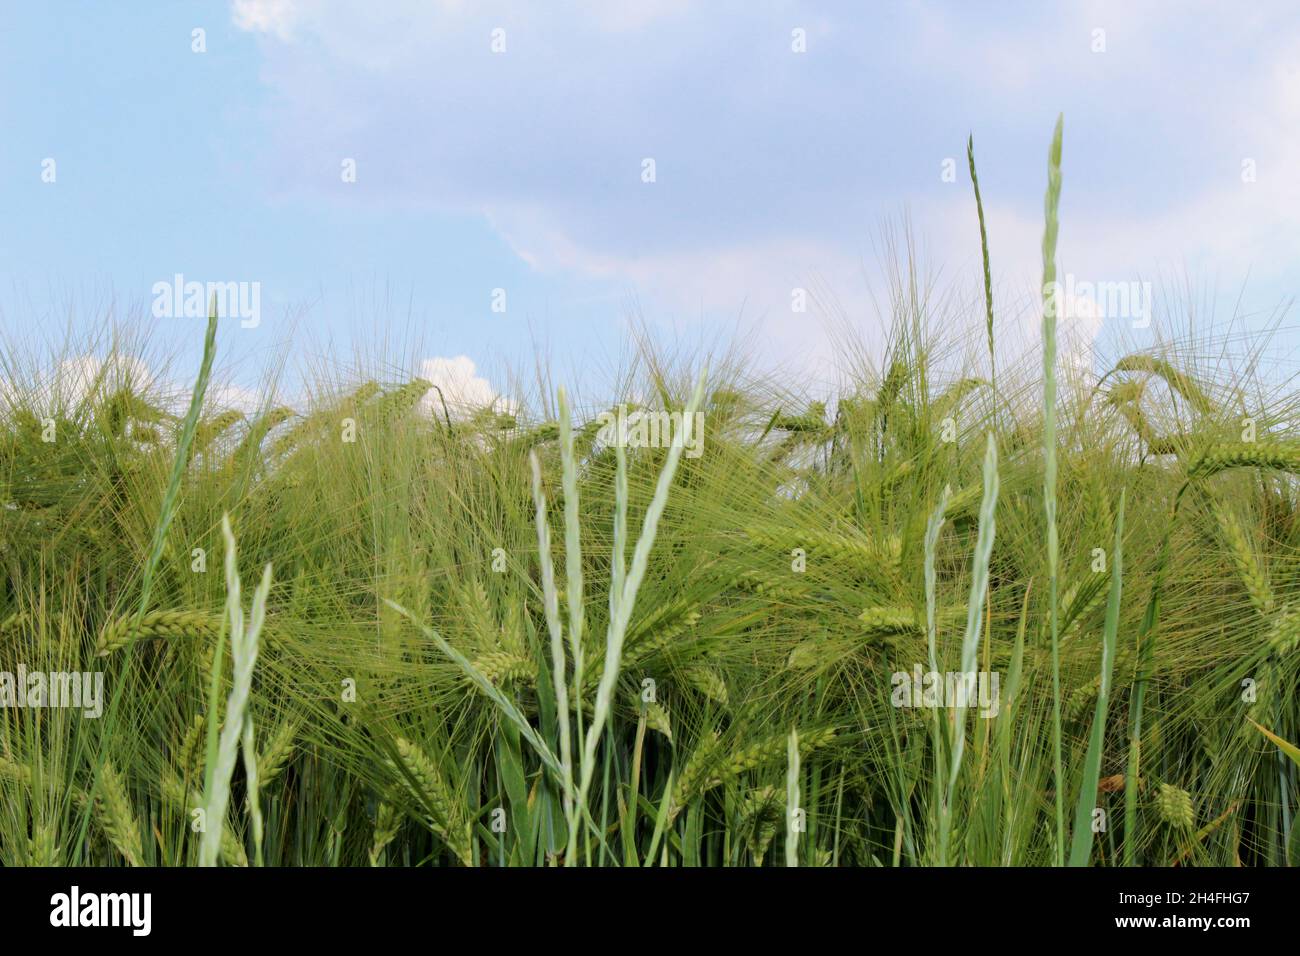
(1007, 616)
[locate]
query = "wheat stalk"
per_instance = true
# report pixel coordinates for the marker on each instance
(765, 585)
(1245, 559)
(42, 848)
(1222, 457)
(421, 777)
(559, 668)
(704, 771)
(1284, 632)
(792, 798)
(388, 821)
(657, 719)
(890, 620)
(190, 754)
(1176, 380)
(760, 811)
(970, 640)
(279, 748)
(152, 626)
(116, 819)
(621, 608)
(855, 549)
(708, 681)
(210, 429)
(398, 403)
(1051, 205)
(692, 779)
(238, 722)
(231, 851)
(1175, 806)
(501, 667)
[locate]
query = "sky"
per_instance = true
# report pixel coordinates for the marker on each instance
(455, 187)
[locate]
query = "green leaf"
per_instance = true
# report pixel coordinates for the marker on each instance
(1291, 750)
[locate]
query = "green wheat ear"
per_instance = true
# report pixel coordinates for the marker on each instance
(130, 628)
(430, 788)
(1175, 806)
(116, 818)
(1180, 382)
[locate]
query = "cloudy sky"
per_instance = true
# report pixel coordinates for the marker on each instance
(501, 154)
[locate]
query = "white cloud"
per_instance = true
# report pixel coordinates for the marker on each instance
(228, 395)
(769, 164)
(275, 17)
(619, 17)
(462, 387)
(73, 380)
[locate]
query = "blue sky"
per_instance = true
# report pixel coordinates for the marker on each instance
(522, 170)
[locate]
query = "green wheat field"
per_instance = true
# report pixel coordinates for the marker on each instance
(356, 634)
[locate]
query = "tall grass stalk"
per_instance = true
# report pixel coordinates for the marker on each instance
(559, 668)
(244, 638)
(1051, 206)
(938, 726)
(971, 639)
(627, 597)
(984, 251)
(792, 799)
(572, 552)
